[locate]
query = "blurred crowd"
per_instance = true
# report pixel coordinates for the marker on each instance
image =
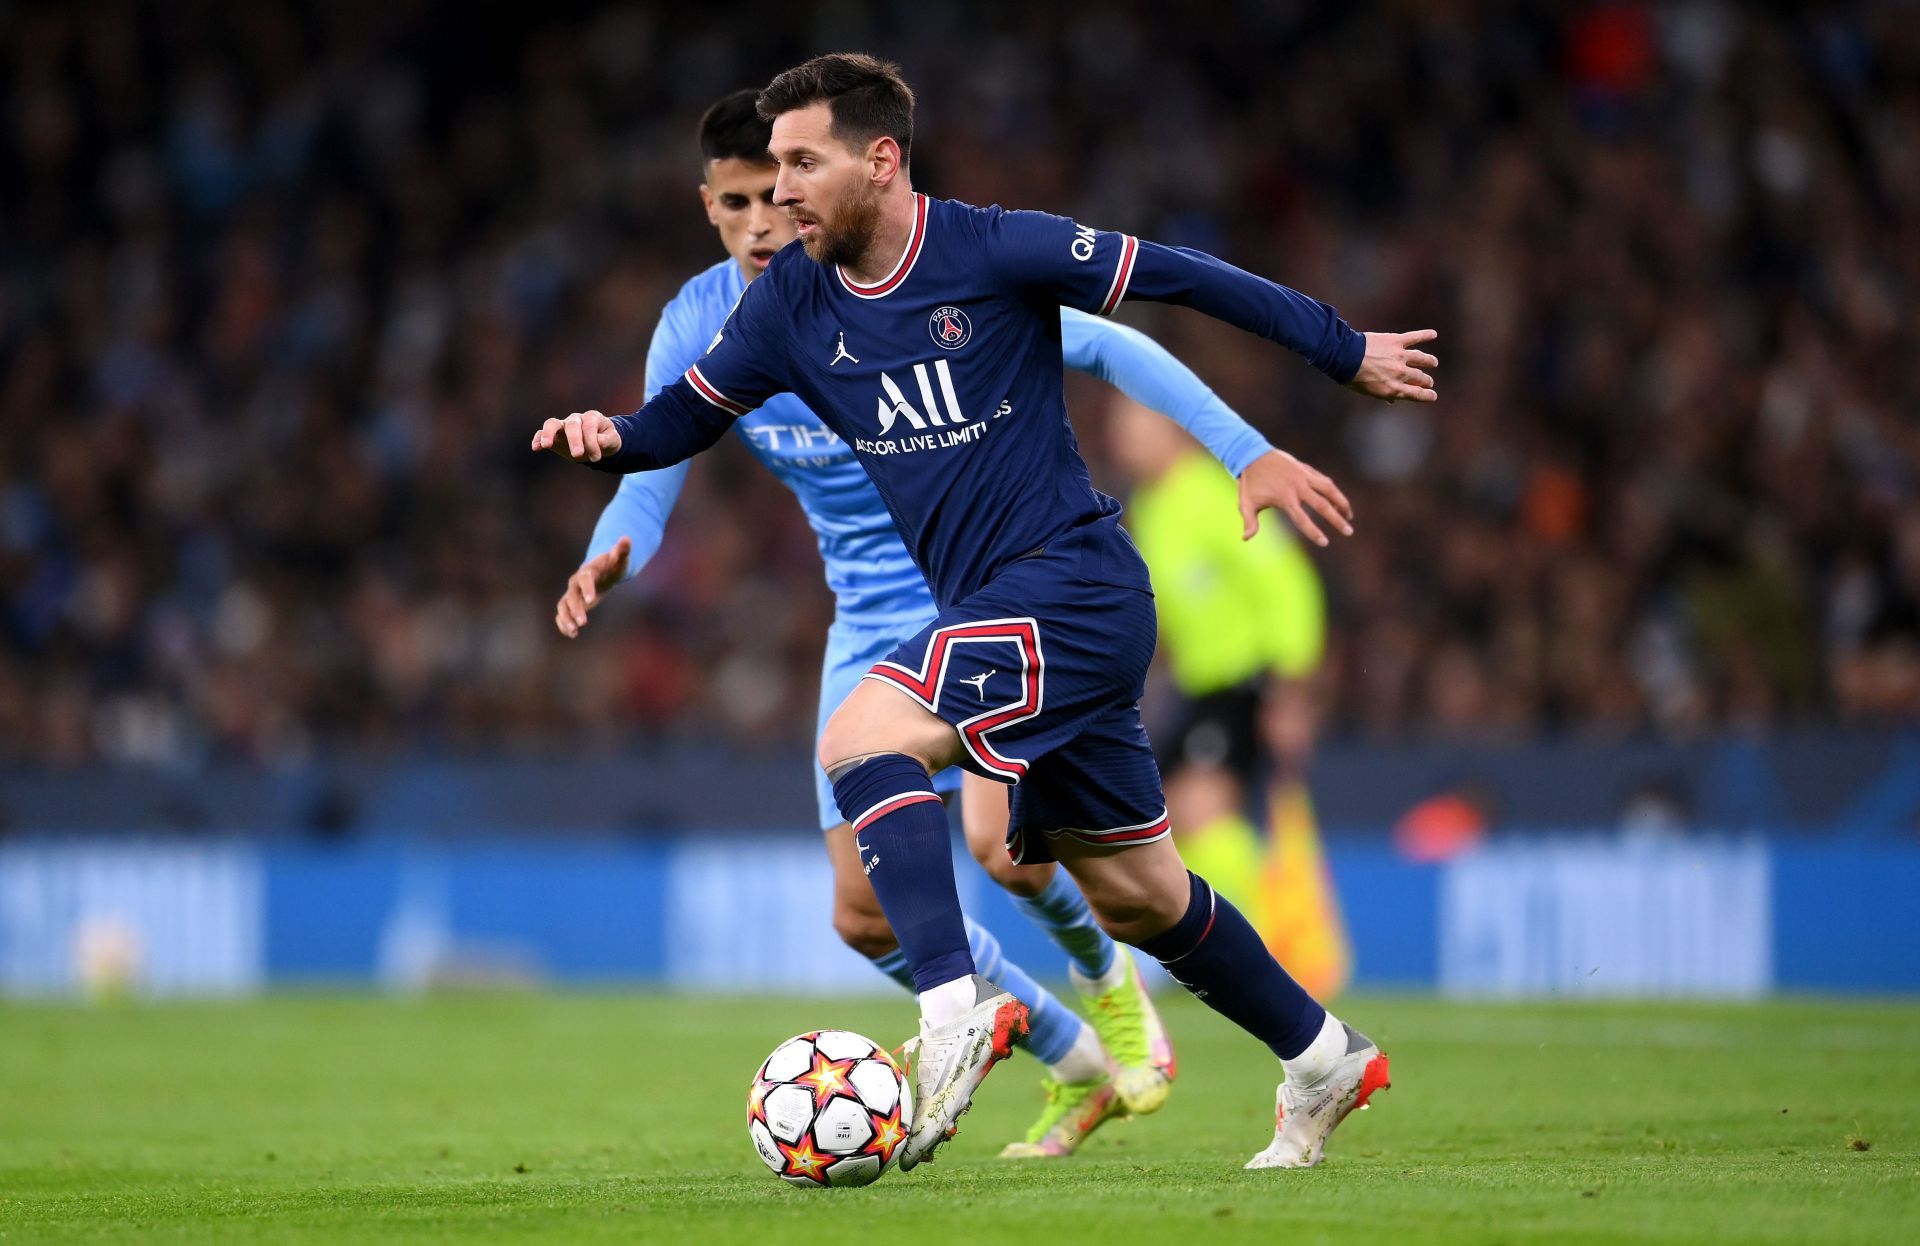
(284, 290)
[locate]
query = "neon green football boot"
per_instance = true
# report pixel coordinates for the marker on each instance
(1129, 1027)
(1074, 1110)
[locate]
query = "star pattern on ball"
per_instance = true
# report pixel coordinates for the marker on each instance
(757, 1100)
(827, 1078)
(889, 1132)
(804, 1161)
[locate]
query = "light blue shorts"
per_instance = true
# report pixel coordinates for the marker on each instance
(852, 649)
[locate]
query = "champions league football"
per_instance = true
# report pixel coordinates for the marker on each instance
(828, 1108)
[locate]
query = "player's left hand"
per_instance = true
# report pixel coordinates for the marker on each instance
(1276, 479)
(583, 437)
(1392, 367)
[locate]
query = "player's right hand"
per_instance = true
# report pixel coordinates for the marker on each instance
(595, 576)
(583, 437)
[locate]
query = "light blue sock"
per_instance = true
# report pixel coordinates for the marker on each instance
(1062, 912)
(894, 965)
(1054, 1027)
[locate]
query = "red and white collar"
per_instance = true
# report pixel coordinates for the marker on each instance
(886, 285)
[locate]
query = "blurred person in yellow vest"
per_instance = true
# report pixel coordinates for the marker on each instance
(1242, 632)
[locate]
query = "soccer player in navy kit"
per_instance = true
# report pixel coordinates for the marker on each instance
(1124, 1062)
(1032, 670)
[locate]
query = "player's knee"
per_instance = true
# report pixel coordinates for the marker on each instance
(864, 931)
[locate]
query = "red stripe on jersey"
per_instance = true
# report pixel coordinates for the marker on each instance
(892, 280)
(1122, 274)
(704, 387)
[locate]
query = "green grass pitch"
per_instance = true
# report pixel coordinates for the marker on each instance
(619, 1118)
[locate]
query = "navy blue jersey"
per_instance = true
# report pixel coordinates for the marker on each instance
(945, 377)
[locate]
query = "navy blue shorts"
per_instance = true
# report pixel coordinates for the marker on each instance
(1041, 673)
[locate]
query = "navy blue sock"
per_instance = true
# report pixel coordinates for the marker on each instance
(900, 832)
(1214, 952)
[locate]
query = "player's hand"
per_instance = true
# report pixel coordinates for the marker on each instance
(1276, 479)
(595, 576)
(1393, 368)
(583, 437)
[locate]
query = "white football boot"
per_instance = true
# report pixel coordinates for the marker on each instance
(1304, 1117)
(950, 1062)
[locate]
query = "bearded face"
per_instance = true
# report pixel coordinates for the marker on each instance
(845, 236)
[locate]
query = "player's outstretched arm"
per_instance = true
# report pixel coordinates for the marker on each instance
(1052, 257)
(1388, 366)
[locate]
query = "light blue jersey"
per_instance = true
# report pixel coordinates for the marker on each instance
(874, 581)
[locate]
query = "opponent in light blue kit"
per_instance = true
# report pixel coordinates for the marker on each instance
(955, 410)
(881, 599)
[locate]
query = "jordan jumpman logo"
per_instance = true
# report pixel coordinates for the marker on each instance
(840, 351)
(979, 682)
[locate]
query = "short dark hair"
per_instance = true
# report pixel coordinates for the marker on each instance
(732, 129)
(867, 96)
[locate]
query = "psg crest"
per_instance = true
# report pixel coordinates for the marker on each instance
(950, 328)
